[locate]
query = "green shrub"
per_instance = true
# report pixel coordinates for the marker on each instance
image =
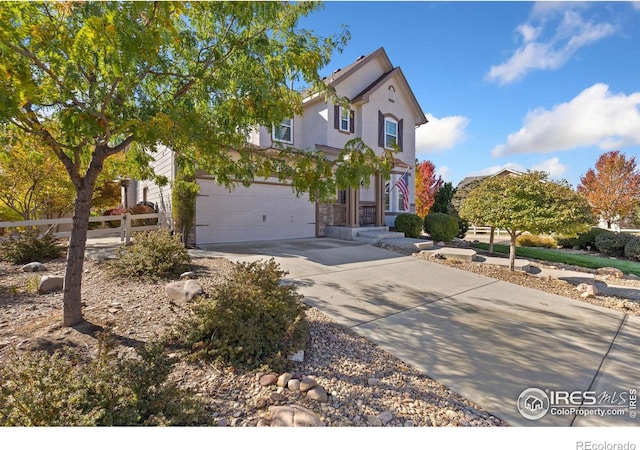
(39, 389)
(29, 246)
(612, 244)
(463, 227)
(567, 242)
(632, 248)
(154, 255)
(533, 240)
(588, 240)
(251, 320)
(440, 226)
(409, 224)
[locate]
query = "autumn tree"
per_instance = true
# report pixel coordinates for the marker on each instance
(427, 184)
(529, 202)
(95, 79)
(613, 188)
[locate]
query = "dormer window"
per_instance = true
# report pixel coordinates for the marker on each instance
(284, 132)
(392, 94)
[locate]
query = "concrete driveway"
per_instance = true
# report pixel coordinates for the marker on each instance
(485, 339)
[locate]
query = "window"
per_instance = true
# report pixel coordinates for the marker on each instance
(392, 94)
(387, 197)
(284, 132)
(345, 119)
(396, 194)
(390, 133)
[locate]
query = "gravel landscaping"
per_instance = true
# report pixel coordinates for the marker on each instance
(360, 384)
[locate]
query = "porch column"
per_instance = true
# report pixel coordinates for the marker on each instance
(379, 188)
(353, 207)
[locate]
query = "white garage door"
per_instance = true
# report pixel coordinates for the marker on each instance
(257, 213)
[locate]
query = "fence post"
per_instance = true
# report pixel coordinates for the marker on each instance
(127, 229)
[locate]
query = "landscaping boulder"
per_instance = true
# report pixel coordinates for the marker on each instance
(318, 394)
(293, 416)
(180, 291)
(188, 276)
(307, 383)
(268, 379)
(50, 284)
(610, 271)
(34, 267)
(587, 289)
(283, 380)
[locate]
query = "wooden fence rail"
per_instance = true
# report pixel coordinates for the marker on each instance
(124, 230)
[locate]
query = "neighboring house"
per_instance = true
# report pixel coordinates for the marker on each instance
(473, 182)
(383, 113)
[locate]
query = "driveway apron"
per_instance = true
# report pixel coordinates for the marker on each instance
(486, 339)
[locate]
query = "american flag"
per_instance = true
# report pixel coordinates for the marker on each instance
(403, 185)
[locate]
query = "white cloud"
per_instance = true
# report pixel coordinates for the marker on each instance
(440, 134)
(443, 171)
(539, 51)
(595, 117)
(552, 166)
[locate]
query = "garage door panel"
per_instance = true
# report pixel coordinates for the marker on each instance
(260, 212)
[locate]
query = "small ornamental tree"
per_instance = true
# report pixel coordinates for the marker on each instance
(427, 184)
(529, 202)
(613, 188)
(93, 80)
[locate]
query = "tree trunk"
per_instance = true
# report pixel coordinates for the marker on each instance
(493, 229)
(72, 307)
(512, 251)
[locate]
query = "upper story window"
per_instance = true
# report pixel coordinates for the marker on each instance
(345, 119)
(392, 94)
(284, 132)
(390, 133)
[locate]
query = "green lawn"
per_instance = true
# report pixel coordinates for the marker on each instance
(545, 254)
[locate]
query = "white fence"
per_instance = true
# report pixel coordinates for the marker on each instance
(477, 230)
(123, 231)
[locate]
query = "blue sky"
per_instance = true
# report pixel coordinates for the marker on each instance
(546, 85)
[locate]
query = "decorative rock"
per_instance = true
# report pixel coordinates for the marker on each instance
(611, 271)
(307, 383)
(34, 267)
(451, 414)
(280, 389)
(297, 356)
(284, 379)
(222, 422)
(373, 381)
(293, 416)
(385, 417)
(268, 379)
(262, 402)
(318, 394)
(374, 421)
(188, 276)
(275, 397)
(50, 284)
(293, 384)
(180, 291)
(589, 291)
(409, 423)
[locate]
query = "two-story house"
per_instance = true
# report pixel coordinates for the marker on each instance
(383, 113)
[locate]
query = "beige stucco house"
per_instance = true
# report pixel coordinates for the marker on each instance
(383, 112)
